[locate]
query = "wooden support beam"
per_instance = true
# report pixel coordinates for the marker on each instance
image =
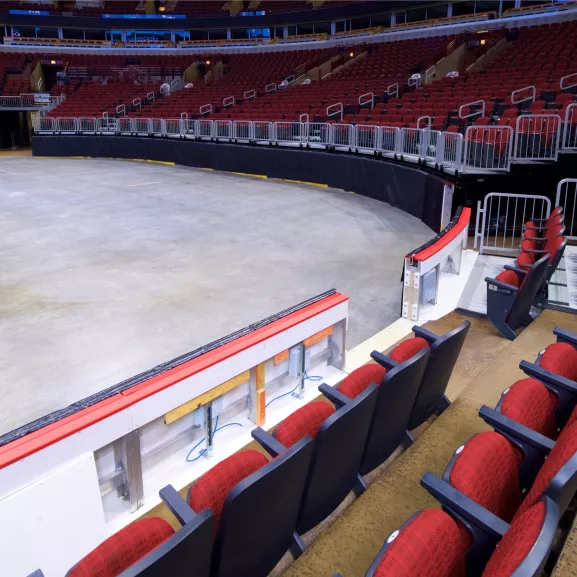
(317, 337)
(260, 395)
(280, 357)
(205, 398)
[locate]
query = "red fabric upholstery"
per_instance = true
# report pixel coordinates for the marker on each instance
(561, 359)
(486, 470)
(405, 350)
(528, 245)
(564, 449)
(123, 549)
(305, 421)
(525, 260)
(517, 543)
(361, 378)
(429, 545)
(572, 418)
(553, 246)
(532, 404)
(508, 277)
(212, 489)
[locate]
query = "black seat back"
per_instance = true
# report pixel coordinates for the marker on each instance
(445, 351)
(260, 514)
(521, 305)
(395, 402)
(336, 459)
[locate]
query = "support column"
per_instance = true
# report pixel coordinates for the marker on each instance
(257, 395)
(449, 9)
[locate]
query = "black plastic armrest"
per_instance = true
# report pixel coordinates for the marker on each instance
(383, 360)
(334, 395)
(463, 506)
(425, 334)
(537, 238)
(502, 285)
(540, 219)
(554, 379)
(517, 430)
(38, 573)
(565, 336)
(177, 505)
(273, 447)
(515, 269)
(535, 250)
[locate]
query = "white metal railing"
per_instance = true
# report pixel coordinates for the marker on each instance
(501, 217)
(150, 97)
(530, 91)
(228, 101)
(343, 135)
(414, 81)
(335, 109)
(479, 112)
(428, 120)
(487, 148)
(567, 198)
(270, 87)
(242, 130)
(429, 73)
(222, 129)
(570, 128)
(367, 98)
(367, 137)
(205, 109)
(121, 109)
(165, 89)
(249, 94)
(450, 149)
(568, 81)
(304, 117)
(393, 90)
(137, 103)
(481, 149)
(34, 101)
(537, 137)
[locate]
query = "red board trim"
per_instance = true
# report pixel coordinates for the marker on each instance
(72, 424)
(462, 223)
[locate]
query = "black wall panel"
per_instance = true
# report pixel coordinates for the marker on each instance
(410, 189)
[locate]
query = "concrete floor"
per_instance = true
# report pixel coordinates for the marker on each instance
(111, 267)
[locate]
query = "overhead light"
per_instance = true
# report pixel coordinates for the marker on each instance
(161, 8)
(351, 54)
(208, 61)
(483, 42)
(53, 62)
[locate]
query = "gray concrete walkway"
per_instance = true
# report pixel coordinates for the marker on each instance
(108, 268)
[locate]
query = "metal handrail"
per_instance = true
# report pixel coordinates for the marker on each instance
(249, 94)
(570, 128)
(184, 116)
(228, 101)
(429, 73)
(371, 99)
(531, 96)
(395, 90)
(568, 76)
(270, 87)
(338, 109)
(121, 109)
(137, 102)
(150, 97)
(205, 109)
(415, 82)
(480, 112)
(430, 121)
(305, 116)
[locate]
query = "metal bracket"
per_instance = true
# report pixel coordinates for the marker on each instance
(128, 459)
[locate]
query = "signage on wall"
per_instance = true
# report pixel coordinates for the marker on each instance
(33, 12)
(147, 16)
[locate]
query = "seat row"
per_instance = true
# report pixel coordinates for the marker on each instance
(504, 492)
(512, 293)
(242, 516)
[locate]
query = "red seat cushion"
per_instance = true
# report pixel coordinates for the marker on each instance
(305, 421)
(517, 543)
(407, 349)
(508, 277)
(361, 378)
(532, 404)
(486, 470)
(213, 487)
(527, 245)
(561, 359)
(123, 549)
(564, 449)
(525, 260)
(430, 545)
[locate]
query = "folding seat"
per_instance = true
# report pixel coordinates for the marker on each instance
(510, 296)
(435, 542)
(540, 225)
(255, 503)
(399, 376)
(504, 476)
(339, 439)
(150, 547)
